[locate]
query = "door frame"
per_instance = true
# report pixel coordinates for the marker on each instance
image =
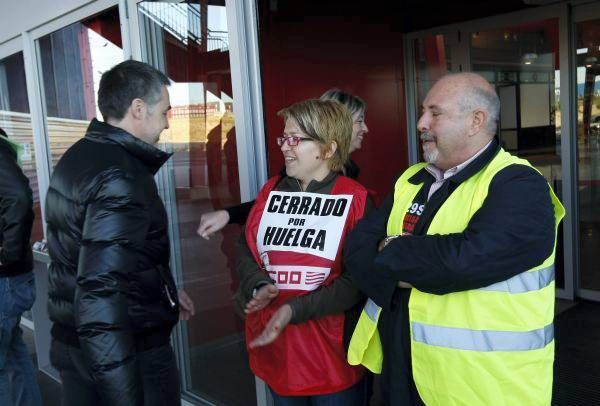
(580, 13)
(251, 147)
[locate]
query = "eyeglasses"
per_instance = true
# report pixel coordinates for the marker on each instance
(291, 141)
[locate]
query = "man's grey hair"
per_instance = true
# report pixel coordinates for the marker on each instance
(473, 98)
(125, 82)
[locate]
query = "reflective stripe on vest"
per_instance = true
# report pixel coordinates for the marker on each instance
(482, 340)
(525, 282)
(372, 310)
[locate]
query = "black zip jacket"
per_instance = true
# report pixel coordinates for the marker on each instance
(16, 215)
(110, 287)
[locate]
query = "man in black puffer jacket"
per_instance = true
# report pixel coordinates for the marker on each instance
(112, 298)
(18, 383)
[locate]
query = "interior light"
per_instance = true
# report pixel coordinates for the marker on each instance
(589, 61)
(529, 58)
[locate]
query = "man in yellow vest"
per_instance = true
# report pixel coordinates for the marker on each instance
(458, 263)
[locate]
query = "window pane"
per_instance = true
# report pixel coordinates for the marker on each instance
(73, 60)
(189, 42)
(16, 121)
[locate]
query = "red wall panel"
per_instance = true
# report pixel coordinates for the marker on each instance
(301, 57)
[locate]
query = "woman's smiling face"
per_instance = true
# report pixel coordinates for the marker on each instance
(359, 130)
(304, 161)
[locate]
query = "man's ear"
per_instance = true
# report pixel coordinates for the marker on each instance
(138, 108)
(330, 150)
(478, 120)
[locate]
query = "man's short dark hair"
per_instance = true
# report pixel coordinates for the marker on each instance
(2, 132)
(125, 82)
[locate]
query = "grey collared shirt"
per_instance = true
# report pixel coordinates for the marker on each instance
(441, 176)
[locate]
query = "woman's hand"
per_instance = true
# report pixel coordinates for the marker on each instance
(274, 327)
(212, 222)
(262, 298)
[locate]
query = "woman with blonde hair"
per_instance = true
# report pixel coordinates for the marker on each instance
(292, 285)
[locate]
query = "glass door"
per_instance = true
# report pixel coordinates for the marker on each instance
(189, 41)
(587, 57)
(433, 59)
(433, 55)
(522, 62)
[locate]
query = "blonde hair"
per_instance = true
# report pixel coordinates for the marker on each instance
(325, 121)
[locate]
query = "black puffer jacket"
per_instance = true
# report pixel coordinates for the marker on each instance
(16, 215)
(110, 288)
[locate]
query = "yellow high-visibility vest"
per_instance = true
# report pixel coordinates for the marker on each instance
(488, 346)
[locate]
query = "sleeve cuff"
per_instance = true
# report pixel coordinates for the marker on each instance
(258, 286)
(294, 306)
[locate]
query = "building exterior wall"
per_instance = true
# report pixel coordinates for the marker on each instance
(18, 16)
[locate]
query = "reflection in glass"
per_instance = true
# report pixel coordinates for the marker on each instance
(16, 121)
(189, 42)
(522, 63)
(588, 151)
(73, 60)
(432, 61)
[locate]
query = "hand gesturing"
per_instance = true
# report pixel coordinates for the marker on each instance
(274, 327)
(262, 298)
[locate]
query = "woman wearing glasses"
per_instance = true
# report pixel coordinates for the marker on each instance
(212, 222)
(292, 287)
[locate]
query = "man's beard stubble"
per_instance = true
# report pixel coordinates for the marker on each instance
(430, 156)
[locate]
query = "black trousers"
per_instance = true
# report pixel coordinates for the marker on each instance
(160, 377)
(397, 383)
